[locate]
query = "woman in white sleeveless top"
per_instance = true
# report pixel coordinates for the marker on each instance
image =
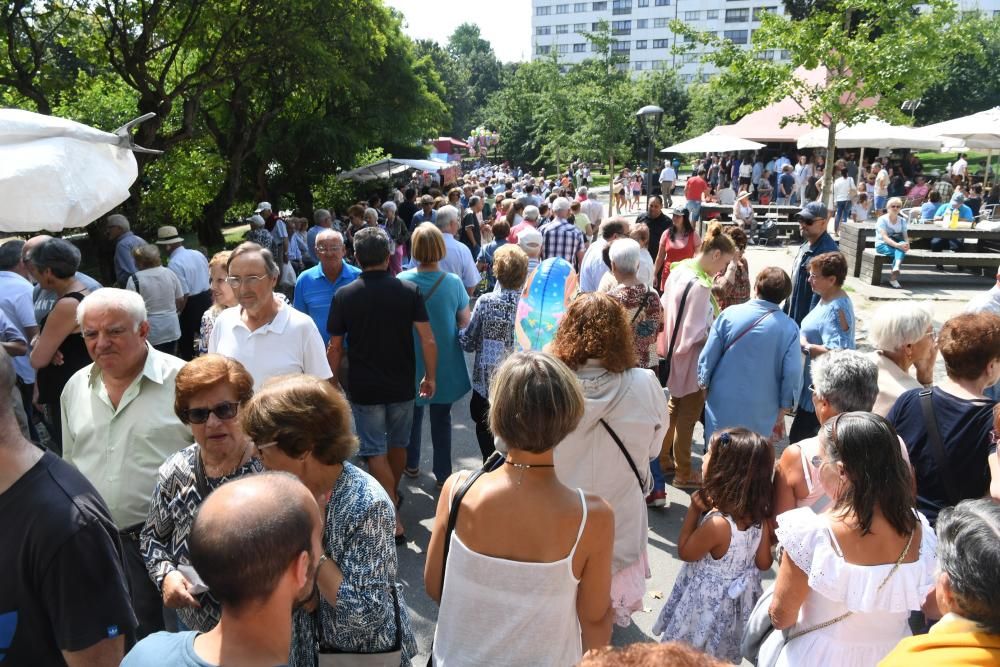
(528, 575)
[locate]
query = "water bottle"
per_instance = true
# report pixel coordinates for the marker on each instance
(954, 218)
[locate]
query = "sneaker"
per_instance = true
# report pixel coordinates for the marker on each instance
(656, 499)
(692, 482)
(895, 284)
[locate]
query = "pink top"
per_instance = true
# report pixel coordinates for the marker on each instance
(693, 332)
(682, 247)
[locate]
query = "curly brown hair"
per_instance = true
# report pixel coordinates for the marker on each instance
(830, 264)
(738, 479)
(968, 342)
(649, 654)
(595, 327)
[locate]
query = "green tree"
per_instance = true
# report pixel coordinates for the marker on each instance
(877, 52)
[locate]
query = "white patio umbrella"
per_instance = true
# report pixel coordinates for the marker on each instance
(57, 174)
(711, 142)
(980, 130)
(873, 133)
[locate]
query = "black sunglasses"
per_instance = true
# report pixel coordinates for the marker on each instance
(224, 411)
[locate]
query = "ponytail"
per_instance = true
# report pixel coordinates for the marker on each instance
(716, 239)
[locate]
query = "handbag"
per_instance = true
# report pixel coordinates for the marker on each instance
(762, 645)
(335, 658)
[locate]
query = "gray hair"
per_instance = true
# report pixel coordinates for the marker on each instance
(846, 379)
(899, 323)
(329, 233)
(255, 220)
(624, 255)
(582, 190)
(112, 298)
(560, 204)
(147, 256)
(371, 213)
(445, 216)
(531, 212)
(968, 552)
(10, 254)
(389, 206)
(321, 214)
(474, 199)
(120, 221)
(248, 247)
(59, 256)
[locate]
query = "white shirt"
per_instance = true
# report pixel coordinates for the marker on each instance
(290, 343)
(842, 188)
(882, 184)
(458, 260)
(593, 209)
(192, 268)
(988, 302)
(746, 170)
(16, 303)
(645, 272)
(160, 288)
(668, 175)
(959, 168)
(593, 268)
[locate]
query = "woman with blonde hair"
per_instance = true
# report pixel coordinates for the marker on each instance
(161, 289)
(222, 296)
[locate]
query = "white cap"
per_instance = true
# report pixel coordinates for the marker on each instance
(263, 206)
(531, 238)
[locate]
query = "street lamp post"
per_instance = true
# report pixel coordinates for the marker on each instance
(650, 117)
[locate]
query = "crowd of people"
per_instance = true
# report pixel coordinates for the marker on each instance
(205, 465)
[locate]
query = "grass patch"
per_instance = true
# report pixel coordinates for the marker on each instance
(599, 180)
(939, 161)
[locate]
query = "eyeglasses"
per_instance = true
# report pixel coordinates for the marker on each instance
(895, 206)
(224, 411)
(250, 281)
(261, 448)
(328, 250)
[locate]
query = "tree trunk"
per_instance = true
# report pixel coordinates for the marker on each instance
(831, 149)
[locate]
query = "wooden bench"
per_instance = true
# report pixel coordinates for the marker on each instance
(872, 262)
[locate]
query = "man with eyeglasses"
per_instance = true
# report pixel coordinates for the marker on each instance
(315, 287)
(812, 221)
(117, 427)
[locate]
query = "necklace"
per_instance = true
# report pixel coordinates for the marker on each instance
(521, 467)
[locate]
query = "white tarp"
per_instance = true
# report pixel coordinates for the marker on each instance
(873, 133)
(712, 142)
(389, 167)
(56, 173)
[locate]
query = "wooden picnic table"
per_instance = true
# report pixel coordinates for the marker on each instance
(854, 238)
(760, 212)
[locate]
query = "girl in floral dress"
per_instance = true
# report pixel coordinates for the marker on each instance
(724, 544)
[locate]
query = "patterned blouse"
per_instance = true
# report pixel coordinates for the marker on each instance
(490, 334)
(735, 292)
(163, 540)
(645, 315)
(358, 537)
(207, 324)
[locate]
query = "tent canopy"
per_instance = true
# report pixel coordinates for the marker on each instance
(873, 133)
(713, 142)
(389, 167)
(980, 130)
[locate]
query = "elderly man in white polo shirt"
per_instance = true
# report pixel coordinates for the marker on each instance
(264, 333)
(458, 258)
(192, 268)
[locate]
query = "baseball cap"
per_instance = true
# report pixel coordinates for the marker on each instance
(813, 210)
(678, 210)
(263, 206)
(255, 221)
(531, 238)
(958, 198)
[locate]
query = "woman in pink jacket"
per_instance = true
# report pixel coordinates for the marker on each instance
(688, 312)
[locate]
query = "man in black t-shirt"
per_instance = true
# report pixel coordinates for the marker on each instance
(63, 596)
(657, 223)
(469, 234)
(377, 313)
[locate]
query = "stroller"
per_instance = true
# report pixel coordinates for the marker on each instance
(763, 233)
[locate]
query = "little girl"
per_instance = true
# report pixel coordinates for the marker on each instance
(724, 543)
(636, 192)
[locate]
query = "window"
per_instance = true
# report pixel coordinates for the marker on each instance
(594, 27)
(712, 14)
(705, 77)
(543, 30)
(687, 78)
(692, 16)
(645, 3)
(736, 36)
(690, 58)
(766, 55)
(619, 7)
(638, 65)
(660, 23)
(641, 24)
(562, 9)
(689, 39)
(660, 64)
(594, 47)
(621, 47)
(661, 43)
(661, 3)
(543, 11)
(562, 29)
(621, 27)
(580, 48)
(760, 11)
(579, 27)
(579, 6)
(563, 48)
(737, 15)
(785, 55)
(599, 6)
(640, 43)
(542, 50)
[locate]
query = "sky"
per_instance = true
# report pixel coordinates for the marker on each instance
(505, 25)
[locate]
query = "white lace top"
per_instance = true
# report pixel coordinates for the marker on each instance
(879, 619)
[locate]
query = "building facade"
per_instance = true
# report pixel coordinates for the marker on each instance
(643, 34)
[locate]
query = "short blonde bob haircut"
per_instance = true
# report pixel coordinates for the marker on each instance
(287, 410)
(427, 243)
(510, 266)
(535, 402)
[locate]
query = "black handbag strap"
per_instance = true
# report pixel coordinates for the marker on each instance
(621, 446)
(397, 646)
(434, 287)
(677, 327)
(937, 446)
(642, 305)
(495, 459)
(748, 329)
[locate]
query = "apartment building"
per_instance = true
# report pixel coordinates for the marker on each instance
(643, 34)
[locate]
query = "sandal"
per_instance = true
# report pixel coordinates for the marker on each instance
(692, 482)
(411, 472)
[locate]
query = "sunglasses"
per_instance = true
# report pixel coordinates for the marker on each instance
(224, 411)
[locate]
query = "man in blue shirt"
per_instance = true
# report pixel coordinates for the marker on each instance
(315, 287)
(943, 216)
(323, 220)
(120, 233)
(812, 224)
(425, 214)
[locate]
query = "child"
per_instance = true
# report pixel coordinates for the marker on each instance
(724, 543)
(859, 211)
(636, 192)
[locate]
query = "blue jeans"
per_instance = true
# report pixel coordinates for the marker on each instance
(659, 481)
(843, 213)
(887, 250)
(440, 439)
(694, 208)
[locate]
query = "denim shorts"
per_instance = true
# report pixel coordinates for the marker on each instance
(380, 427)
(880, 202)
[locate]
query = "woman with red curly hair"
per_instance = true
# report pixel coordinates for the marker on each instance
(608, 453)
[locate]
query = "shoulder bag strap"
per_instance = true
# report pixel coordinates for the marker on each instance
(677, 327)
(495, 459)
(434, 287)
(621, 446)
(937, 446)
(135, 279)
(642, 305)
(748, 330)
